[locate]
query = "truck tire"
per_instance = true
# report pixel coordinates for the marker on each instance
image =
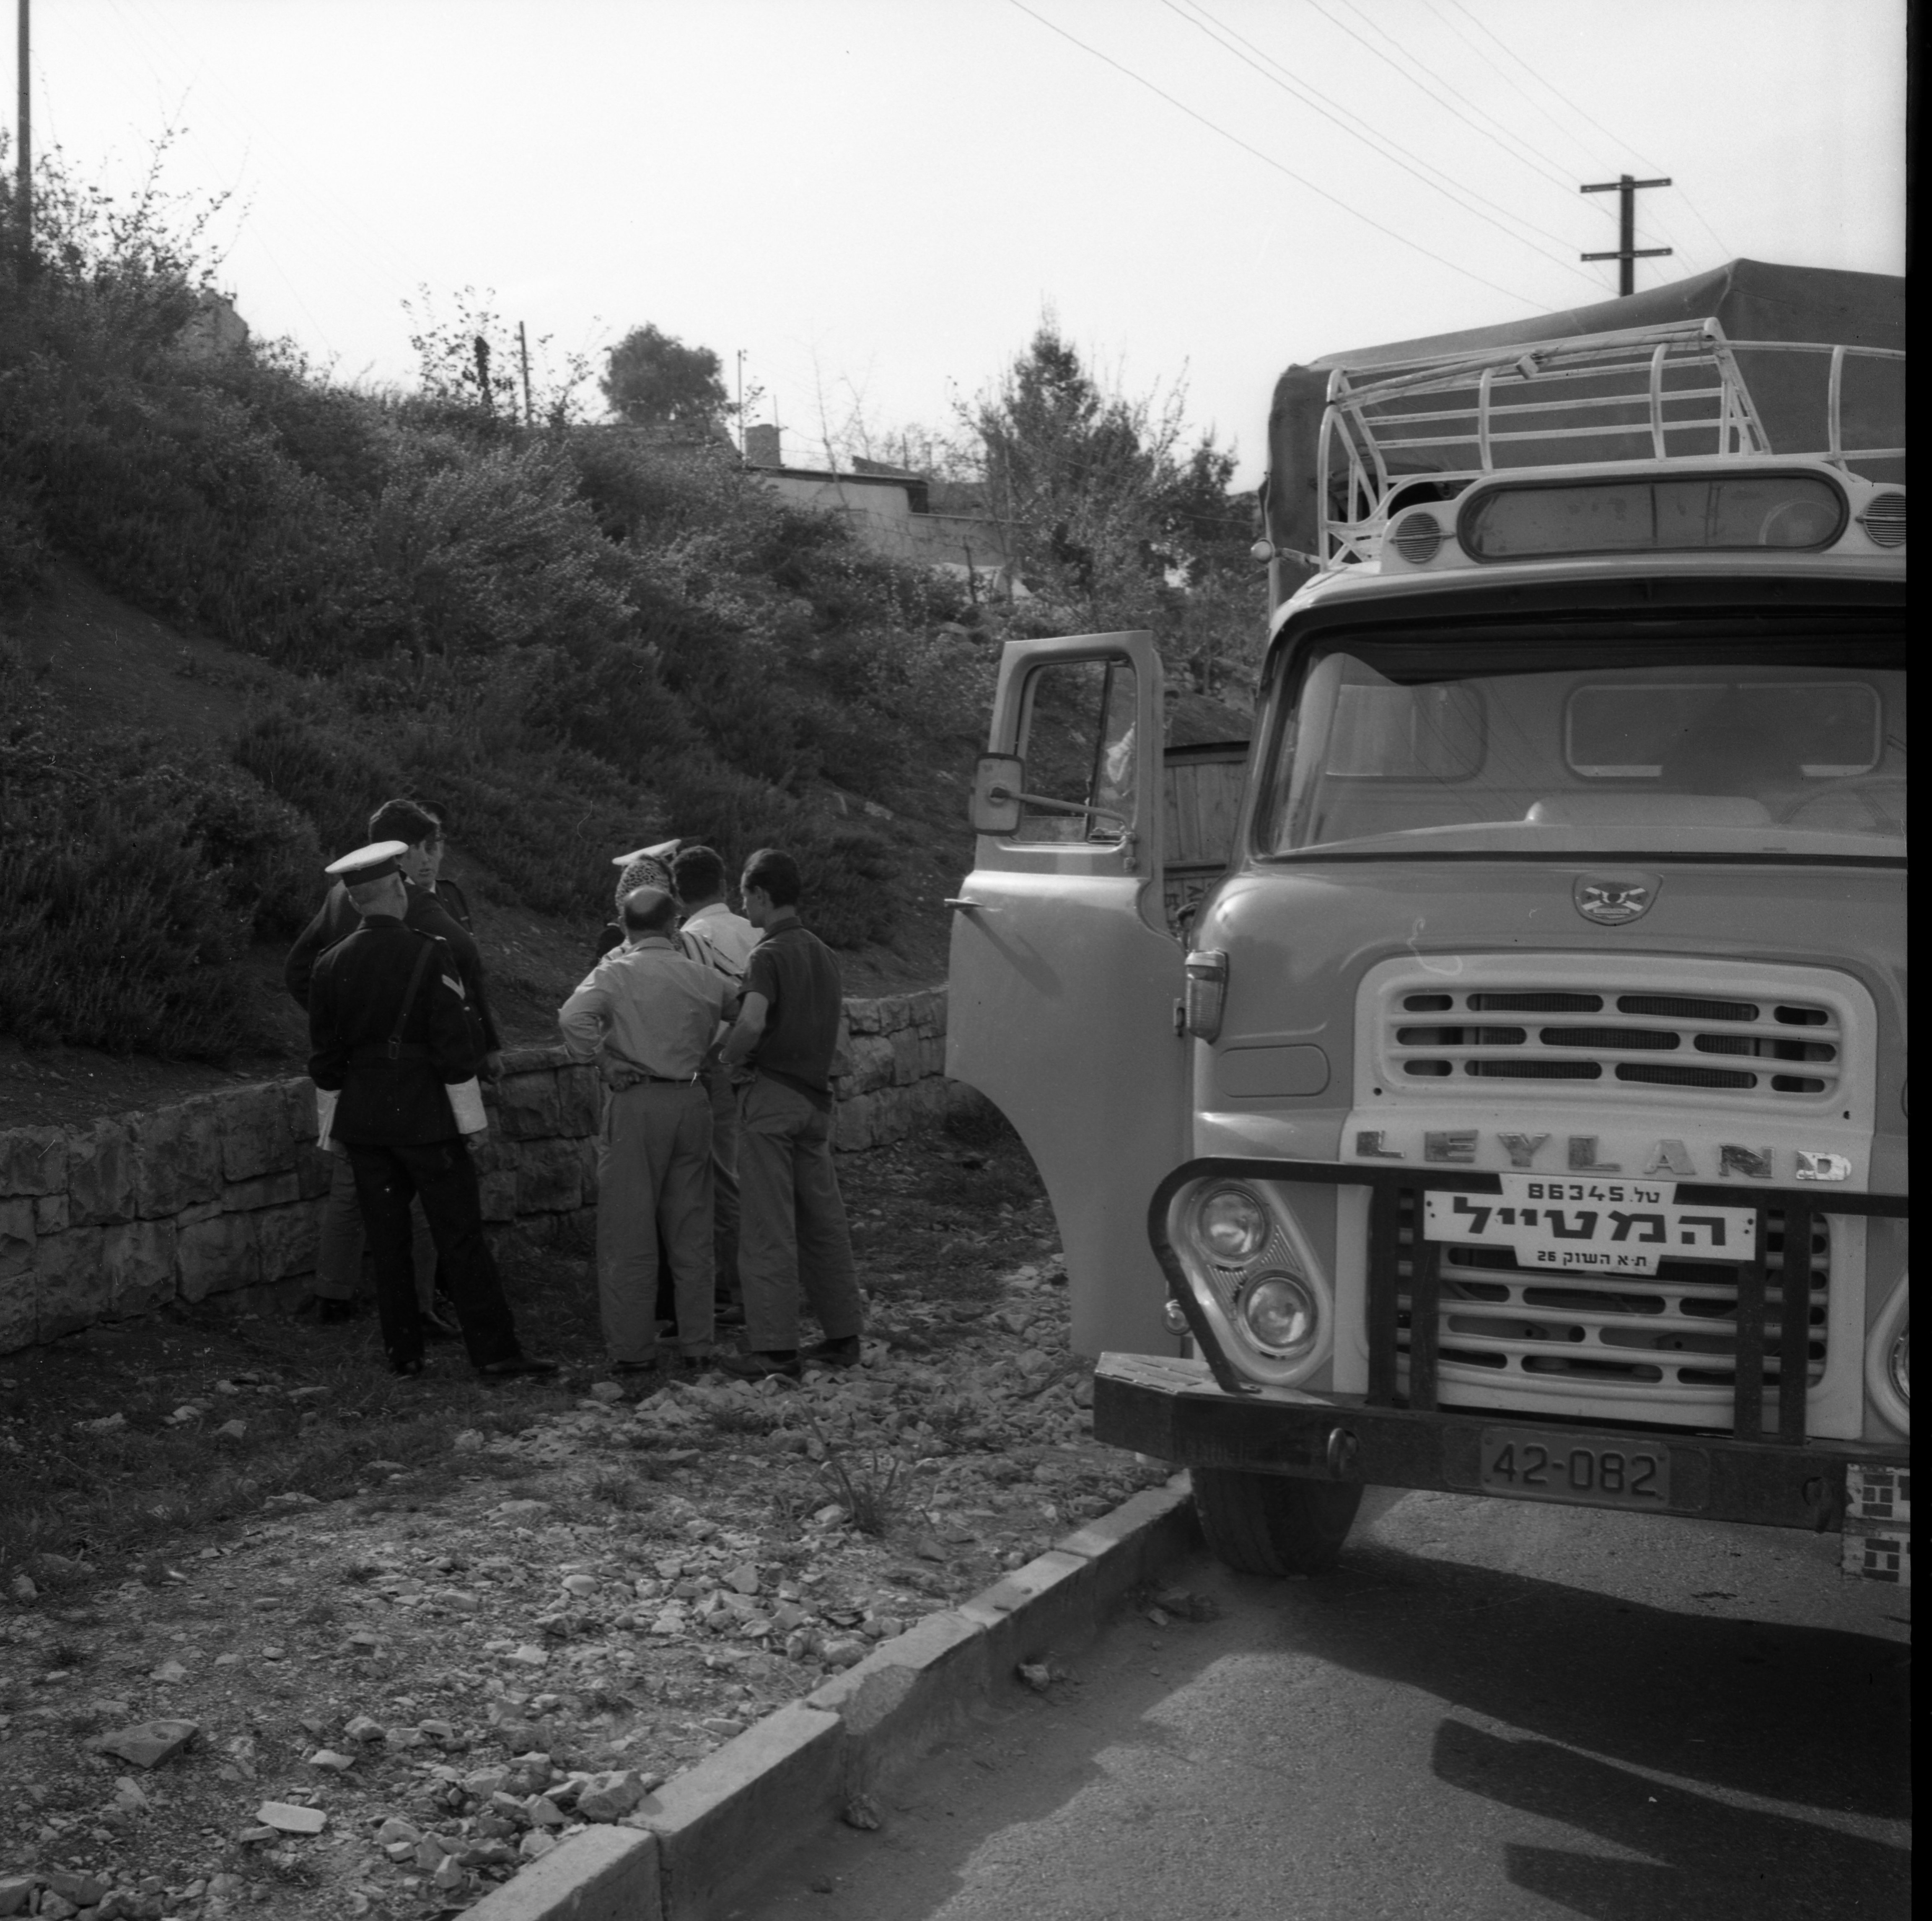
(1274, 1523)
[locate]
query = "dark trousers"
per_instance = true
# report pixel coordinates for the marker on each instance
(792, 1236)
(444, 1177)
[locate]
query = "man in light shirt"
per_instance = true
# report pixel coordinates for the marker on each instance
(712, 933)
(648, 1015)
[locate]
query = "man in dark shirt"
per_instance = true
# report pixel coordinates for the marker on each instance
(393, 1039)
(792, 1234)
(339, 1255)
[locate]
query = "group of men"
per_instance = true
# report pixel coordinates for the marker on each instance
(714, 1035)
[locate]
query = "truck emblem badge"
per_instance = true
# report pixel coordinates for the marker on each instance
(1612, 902)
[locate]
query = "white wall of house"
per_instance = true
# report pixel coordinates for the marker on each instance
(879, 510)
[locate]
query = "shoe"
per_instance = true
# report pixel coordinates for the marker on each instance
(435, 1325)
(729, 1314)
(782, 1365)
(621, 1369)
(843, 1352)
(330, 1312)
(516, 1367)
(408, 1370)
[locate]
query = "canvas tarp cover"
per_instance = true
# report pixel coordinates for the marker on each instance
(1750, 299)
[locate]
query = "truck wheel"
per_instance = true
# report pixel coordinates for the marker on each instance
(1274, 1523)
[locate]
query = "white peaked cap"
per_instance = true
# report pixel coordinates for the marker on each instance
(376, 861)
(663, 850)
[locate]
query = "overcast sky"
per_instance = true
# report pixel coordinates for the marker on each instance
(875, 199)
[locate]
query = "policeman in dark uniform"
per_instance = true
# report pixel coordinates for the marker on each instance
(394, 1039)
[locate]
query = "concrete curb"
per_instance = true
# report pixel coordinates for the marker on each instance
(708, 1834)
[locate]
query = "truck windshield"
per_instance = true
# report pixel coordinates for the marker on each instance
(1697, 743)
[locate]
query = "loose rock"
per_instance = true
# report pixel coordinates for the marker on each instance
(285, 1818)
(148, 1743)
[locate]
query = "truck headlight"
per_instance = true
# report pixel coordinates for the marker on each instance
(1282, 1315)
(1888, 1358)
(1231, 1225)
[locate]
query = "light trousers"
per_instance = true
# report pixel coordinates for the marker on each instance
(792, 1236)
(654, 1175)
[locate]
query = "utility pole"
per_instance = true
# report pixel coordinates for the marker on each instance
(523, 355)
(741, 404)
(1628, 252)
(23, 159)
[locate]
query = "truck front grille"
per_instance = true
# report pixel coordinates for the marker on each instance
(1772, 1049)
(1669, 1341)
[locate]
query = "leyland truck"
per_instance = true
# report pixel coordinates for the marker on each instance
(1517, 1107)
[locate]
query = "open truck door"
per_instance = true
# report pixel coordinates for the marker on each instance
(1063, 974)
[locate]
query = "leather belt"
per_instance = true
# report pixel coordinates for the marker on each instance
(622, 1079)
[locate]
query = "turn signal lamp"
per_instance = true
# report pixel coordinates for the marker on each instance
(1206, 994)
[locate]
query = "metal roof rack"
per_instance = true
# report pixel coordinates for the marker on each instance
(1640, 386)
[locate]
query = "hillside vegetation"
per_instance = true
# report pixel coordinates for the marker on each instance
(575, 638)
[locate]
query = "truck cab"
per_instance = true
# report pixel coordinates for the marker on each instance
(1519, 1108)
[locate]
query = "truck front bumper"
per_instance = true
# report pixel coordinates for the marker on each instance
(1173, 1410)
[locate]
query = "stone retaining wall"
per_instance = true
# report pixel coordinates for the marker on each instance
(221, 1195)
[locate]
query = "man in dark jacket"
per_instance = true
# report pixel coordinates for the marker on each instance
(339, 1256)
(404, 821)
(393, 1039)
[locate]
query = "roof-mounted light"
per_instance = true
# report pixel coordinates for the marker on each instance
(1699, 513)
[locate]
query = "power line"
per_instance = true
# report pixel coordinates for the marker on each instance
(1268, 160)
(1376, 141)
(1655, 221)
(1510, 80)
(1540, 163)
(1482, 27)
(1582, 112)
(1541, 153)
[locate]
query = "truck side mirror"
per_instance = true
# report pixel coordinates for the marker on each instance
(998, 781)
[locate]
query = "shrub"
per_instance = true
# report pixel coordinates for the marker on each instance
(576, 638)
(134, 878)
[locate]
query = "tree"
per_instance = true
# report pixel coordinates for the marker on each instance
(475, 360)
(655, 380)
(1112, 520)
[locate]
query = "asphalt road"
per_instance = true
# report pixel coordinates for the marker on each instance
(1490, 1710)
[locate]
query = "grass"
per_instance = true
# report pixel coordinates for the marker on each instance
(868, 1488)
(78, 1508)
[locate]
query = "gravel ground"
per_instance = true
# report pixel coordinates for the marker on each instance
(531, 1620)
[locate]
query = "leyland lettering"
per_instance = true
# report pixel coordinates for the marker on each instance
(1489, 1075)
